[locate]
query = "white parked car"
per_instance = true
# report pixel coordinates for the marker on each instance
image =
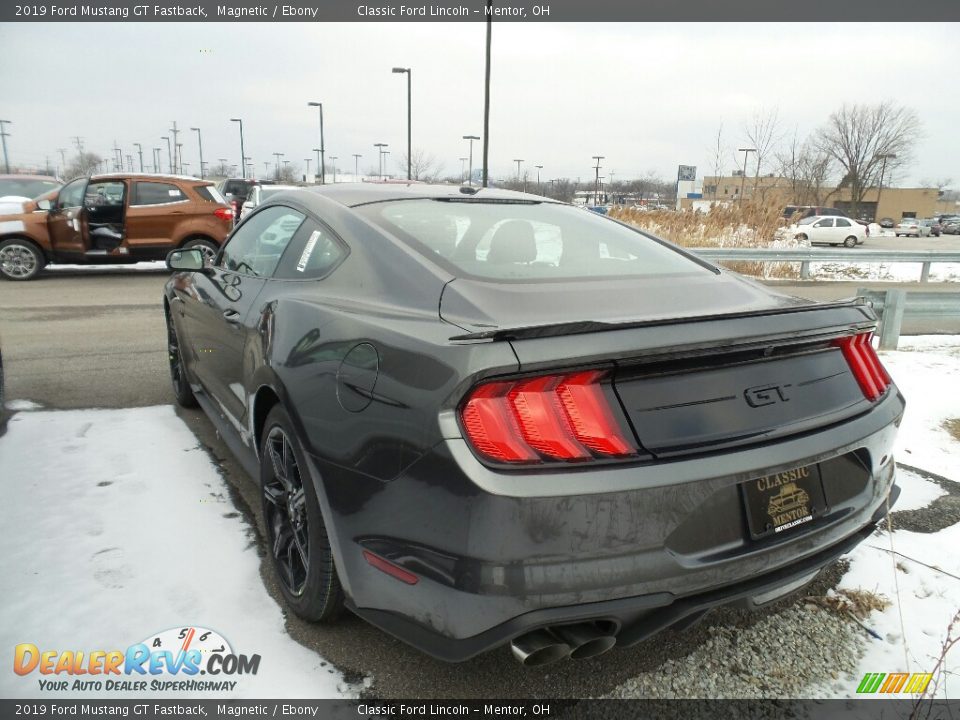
(911, 226)
(830, 230)
(259, 194)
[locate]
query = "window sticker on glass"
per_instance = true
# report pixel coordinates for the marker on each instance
(173, 193)
(308, 250)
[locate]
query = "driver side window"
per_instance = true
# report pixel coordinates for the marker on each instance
(71, 194)
(257, 245)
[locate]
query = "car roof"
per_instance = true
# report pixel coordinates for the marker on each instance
(361, 193)
(148, 176)
(15, 176)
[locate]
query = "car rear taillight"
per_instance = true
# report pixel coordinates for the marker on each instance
(224, 213)
(559, 417)
(865, 365)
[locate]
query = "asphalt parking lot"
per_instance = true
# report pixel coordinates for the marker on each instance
(96, 339)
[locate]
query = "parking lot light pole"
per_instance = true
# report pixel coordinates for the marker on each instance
(463, 169)
(384, 163)
(307, 173)
(380, 147)
(169, 154)
(243, 170)
(140, 152)
(539, 168)
(200, 143)
(356, 166)
(471, 138)
(323, 175)
(277, 165)
(409, 116)
(333, 159)
(156, 159)
(743, 178)
(883, 169)
(3, 138)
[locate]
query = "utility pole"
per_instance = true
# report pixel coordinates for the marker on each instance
(140, 152)
(178, 156)
(596, 182)
(3, 139)
(63, 161)
(539, 168)
(130, 162)
(333, 159)
(277, 166)
(243, 164)
(156, 159)
(169, 155)
(356, 166)
(518, 161)
(743, 177)
(176, 145)
(266, 167)
(117, 157)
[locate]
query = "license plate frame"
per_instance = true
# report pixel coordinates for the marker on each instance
(782, 502)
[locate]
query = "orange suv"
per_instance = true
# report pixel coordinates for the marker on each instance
(118, 218)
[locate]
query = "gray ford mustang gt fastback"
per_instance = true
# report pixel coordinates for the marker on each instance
(481, 417)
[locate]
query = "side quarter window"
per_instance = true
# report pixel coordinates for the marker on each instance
(314, 253)
(258, 244)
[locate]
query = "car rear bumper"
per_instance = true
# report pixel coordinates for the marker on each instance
(642, 547)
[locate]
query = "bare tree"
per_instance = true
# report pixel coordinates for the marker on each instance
(289, 173)
(763, 133)
(423, 166)
(718, 156)
(84, 163)
(807, 168)
(865, 138)
(941, 184)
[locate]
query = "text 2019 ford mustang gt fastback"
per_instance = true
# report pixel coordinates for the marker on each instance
(481, 417)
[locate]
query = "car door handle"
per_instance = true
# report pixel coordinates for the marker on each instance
(231, 316)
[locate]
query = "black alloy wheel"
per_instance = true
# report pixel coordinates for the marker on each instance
(178, 378)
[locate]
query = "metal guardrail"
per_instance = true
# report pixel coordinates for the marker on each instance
(805, 256)
(892, 305)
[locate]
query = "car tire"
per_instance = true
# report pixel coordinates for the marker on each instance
(801, 237)
(20, 259)
(850, 242)
(207, 247)
(178, 371)
(296, 535)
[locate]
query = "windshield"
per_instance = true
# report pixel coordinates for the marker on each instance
(809, 220)
(525, 241)
(28, 188)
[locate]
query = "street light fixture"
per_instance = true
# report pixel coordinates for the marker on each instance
(243, 169)
(156, 159)
(380, 147)
(743, 178)
(463, 169)
(333, 159)
(200, 143)
(382, 153)
(356, 166)
(409, 115)
(277, 155)
(518, 161)
(539, 168)
(323, 177)
(471, 138)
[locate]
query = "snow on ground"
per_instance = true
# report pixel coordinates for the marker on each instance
(116, 527)
(922, 580)
(893, 272)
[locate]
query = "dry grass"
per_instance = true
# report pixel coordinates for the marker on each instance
(752, 224)
(858, 603)
(952, 426)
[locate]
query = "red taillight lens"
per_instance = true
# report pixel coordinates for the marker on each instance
(224, 213)
(865, 365)
(544, 418)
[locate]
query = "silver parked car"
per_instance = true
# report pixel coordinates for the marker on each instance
(911, 227)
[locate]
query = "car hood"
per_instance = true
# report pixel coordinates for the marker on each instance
(13, 205)
(486, 307)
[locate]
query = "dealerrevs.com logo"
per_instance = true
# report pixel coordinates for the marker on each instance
(170, 661)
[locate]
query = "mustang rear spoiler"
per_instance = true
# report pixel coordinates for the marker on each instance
(580, 327)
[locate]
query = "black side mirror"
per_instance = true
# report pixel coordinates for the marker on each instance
(190, 260)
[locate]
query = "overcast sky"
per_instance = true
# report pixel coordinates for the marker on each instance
(646, 96)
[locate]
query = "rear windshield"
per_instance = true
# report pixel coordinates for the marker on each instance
(209, 193)
(525, 241)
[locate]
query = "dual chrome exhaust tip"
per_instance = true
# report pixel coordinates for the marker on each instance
(549, 645)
